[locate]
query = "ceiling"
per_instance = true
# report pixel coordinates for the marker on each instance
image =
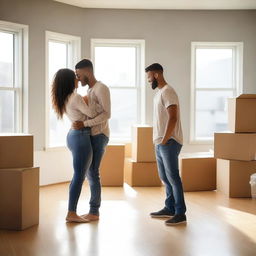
(165, 4)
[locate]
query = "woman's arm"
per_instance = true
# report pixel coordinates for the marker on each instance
(87, 109)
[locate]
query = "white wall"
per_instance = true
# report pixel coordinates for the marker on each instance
(167, 34)
(55, 166)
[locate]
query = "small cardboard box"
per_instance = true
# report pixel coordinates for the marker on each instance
(233, 177)
(235, 146)
(198, 172)
(141, 174)
(242, 113)
(19, 198)
(142, 144)
(112, 166)
(16, 150)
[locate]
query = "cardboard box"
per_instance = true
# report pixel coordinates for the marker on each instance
(16, 150)
(235, 146)
(128, 150)
(142, 144)
(233, 177)
(242, 113)
(112, 166)
(198, 173)
(141, 174)
(19, 198)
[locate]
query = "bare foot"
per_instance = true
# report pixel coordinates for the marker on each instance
(90, 217)
(73, 217)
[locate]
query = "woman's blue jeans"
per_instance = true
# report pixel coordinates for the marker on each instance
(79, 143)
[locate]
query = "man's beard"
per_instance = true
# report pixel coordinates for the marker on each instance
(154, 84)
(84, 81)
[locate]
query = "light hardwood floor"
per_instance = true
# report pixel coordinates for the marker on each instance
(216, 226)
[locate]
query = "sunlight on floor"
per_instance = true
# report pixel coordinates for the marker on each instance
(129, 191)
(241, 220)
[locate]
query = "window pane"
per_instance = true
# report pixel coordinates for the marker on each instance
(116, 66)
(6, 59)
(7, 111)
(124, 112)
(58, 59)
(211, 113)
(214, 68)
(58, 130)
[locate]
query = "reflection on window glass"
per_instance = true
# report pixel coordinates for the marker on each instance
(7, 112)
(58, 58)
(214, 85)
(116, 66)
(211, 112)
(6, 59)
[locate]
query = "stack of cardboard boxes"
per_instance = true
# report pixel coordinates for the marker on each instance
(19, 183)
(236, 151)
(141, 169)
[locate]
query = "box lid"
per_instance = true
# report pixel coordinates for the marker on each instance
(14, 134)
(19, 170)
(247, 96)
(197, 155)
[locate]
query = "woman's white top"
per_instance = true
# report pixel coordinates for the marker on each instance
(78, 110)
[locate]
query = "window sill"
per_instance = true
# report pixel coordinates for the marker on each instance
(201, 142)
(55, 149)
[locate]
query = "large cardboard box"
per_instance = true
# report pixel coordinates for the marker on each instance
(233, 177)
(235, 146)
(142, 144)
(112, 166)
(242, 113)
(16, 150)
(141, 174)
(19, 198)
(198, 172)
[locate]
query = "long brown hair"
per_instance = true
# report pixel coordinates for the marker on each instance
(62, 87)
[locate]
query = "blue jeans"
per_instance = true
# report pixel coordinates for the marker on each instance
(168, 169)
(99, 143)
(79, 143)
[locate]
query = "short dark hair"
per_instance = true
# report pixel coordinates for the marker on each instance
(85, 63)
(154, 67)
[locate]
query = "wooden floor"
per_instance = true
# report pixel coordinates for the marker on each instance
(216, 226)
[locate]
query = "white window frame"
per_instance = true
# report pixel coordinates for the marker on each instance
(140, 73)
(74, 55)
(20, 73)
(237, 76)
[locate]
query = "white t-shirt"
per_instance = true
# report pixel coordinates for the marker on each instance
(164, 98)
(78, 110)
(100, 94)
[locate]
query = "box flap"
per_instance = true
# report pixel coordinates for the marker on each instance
(247, 96)
(15, 134)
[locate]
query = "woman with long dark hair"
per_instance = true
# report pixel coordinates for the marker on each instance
(66, 100)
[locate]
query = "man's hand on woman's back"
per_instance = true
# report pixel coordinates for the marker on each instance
(77, 125)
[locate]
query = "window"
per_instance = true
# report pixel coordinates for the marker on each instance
(13, 77)
(120, 65)
(216, 76)
(62, 51)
